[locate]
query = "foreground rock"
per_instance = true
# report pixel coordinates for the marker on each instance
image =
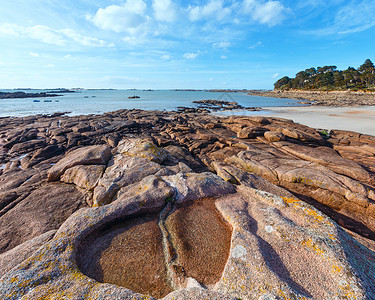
(203, 207)
(266, 246)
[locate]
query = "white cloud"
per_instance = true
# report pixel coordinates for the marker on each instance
(127, 17)
(223, 57)
(50, 36)
(275, 75)
(250, 5)
(256, 45)
(213, 9)
(46, 35)
(33, 54)
(49, 66)
(221, 45)
(10, 29)
(165, 10)
(1, 63)
(166, 57)
(190, 55)
(133, 40)
(352, 18)
(269, 12)
(83, 40)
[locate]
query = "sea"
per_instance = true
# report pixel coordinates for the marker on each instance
(84, 102)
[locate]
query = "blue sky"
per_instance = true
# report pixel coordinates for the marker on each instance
(162, 44)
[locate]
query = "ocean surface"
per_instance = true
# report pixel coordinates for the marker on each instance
(85, 102)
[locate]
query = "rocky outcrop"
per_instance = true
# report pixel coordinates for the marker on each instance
(322, 98)
(86, 156)
(216, 105)
(203, 207)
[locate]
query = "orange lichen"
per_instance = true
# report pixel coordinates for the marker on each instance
(14, 279)
(290, 200)
(313, 213)
(336, 269)
(310, 244)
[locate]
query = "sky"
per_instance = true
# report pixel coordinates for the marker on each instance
(173, 44)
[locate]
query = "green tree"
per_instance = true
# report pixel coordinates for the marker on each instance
(282, 82)
(366, 66)
(301, 79)
(338, 79)
(367, 73)
(328, 77)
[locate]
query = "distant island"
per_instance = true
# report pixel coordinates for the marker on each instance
(328, 78)
(10, 95)
(61, 91)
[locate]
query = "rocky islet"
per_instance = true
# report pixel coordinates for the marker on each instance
(138, 204)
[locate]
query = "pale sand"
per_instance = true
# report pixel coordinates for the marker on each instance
(359, 119)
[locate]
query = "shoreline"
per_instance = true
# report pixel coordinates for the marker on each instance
(322, 98)
(358, 119)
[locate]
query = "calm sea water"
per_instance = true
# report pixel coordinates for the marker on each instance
(100, 101)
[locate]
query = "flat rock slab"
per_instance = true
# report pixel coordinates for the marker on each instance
(17, 255)
(91, 155)
(44, 209)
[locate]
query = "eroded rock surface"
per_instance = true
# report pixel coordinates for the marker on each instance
(128, 254)
(184, 205)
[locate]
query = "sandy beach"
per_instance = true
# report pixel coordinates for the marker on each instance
(359, 119)
(344, 110)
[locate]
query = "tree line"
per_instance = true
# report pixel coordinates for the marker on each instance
(329, 78)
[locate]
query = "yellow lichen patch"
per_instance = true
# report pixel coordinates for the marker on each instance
(290, 296)
(332, 236)
(314, 214)
(336, 269)
(14, 279)
(348, 292)
(308, 181)
(288, 200)
(76, 275)
(284, 236)
(310, 244)
(309, 211)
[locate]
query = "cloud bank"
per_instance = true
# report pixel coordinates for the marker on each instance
(51, 36)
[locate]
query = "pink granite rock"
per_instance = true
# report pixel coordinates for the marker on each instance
(92, 155)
